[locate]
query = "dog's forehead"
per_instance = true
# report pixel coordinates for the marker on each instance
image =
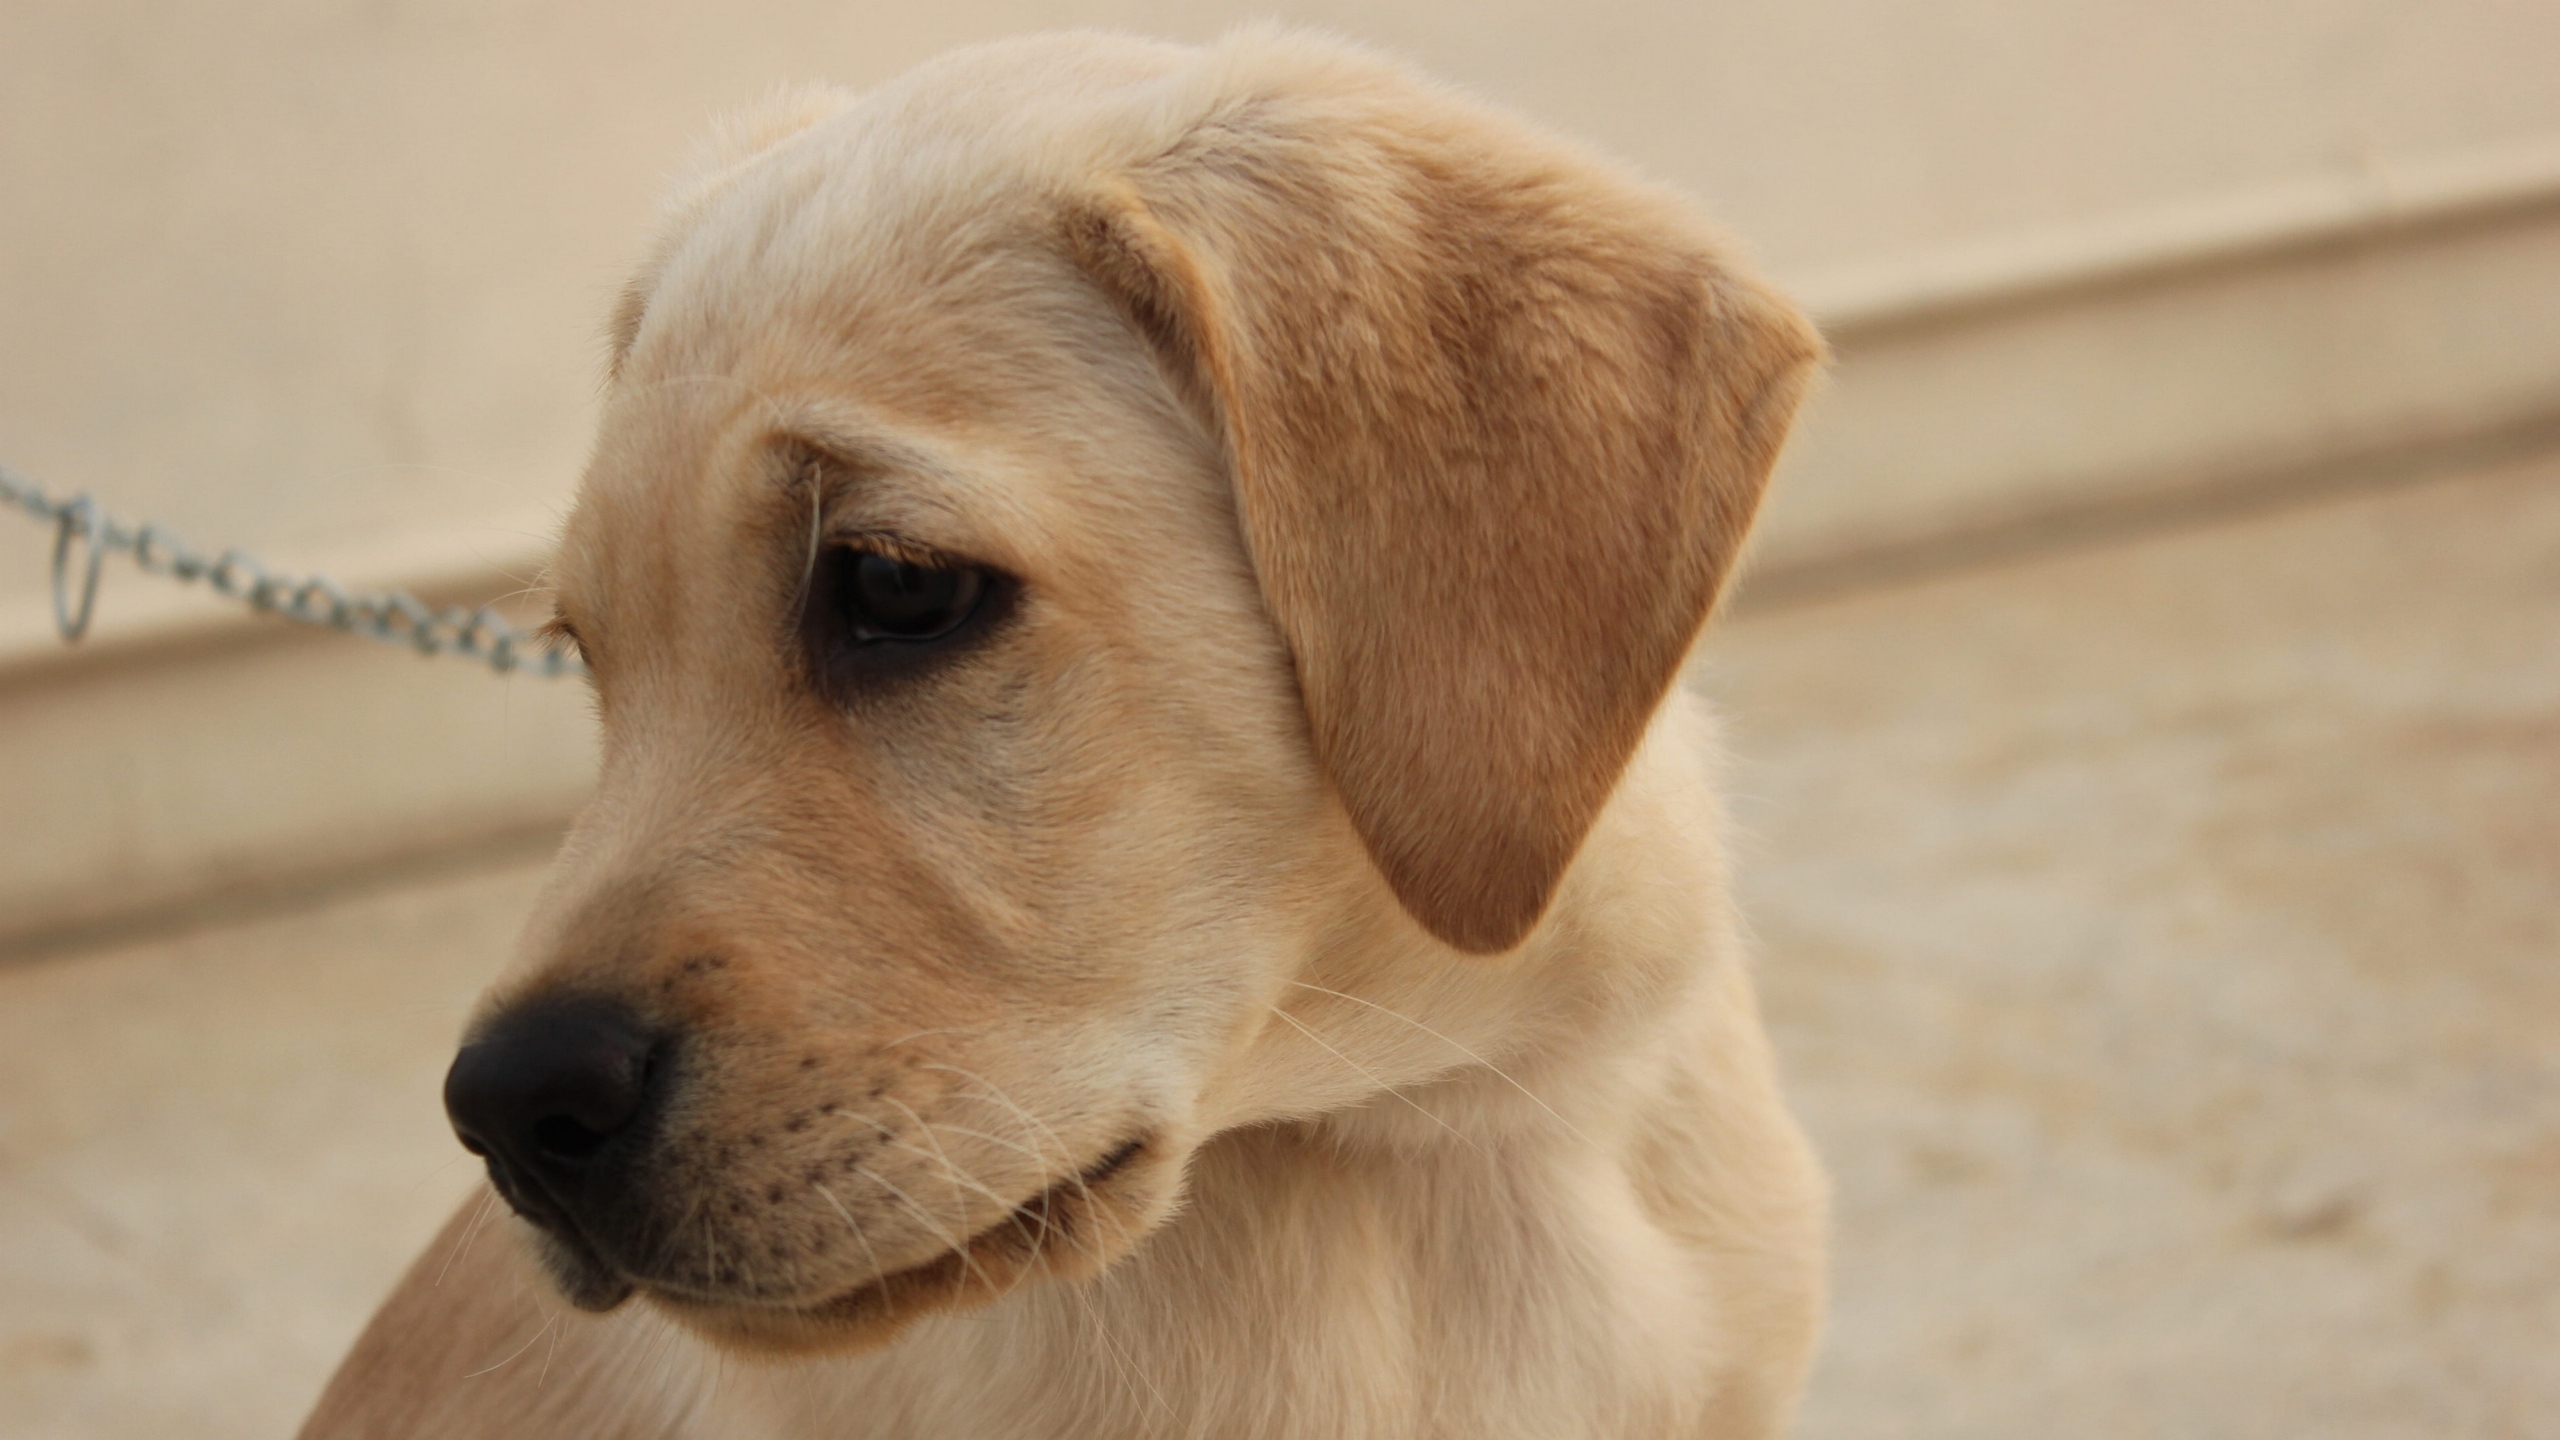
(844, 342)
(895, 266)
(894, 205)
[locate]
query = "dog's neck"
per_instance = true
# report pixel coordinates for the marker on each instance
(1564, 1043)
(1517, 1227)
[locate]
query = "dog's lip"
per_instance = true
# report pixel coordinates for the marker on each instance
(1032, 1211)
(596, 1284)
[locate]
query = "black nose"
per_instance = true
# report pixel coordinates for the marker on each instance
(542, 1092)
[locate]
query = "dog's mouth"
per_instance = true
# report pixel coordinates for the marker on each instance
(1068, 1230)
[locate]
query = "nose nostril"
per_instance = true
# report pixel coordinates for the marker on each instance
(544, 1091)
(559, 1137)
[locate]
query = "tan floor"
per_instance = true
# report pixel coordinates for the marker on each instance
(2163, 944)
(216, 1152)
(2160, 937)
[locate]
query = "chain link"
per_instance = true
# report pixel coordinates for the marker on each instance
(84, 535)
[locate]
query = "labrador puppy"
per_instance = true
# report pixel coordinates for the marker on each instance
(1149, 876)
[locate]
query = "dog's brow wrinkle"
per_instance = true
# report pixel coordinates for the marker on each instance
(832, 451)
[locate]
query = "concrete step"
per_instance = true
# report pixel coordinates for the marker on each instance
(143, 786)
(2167, 360)
(191, 749)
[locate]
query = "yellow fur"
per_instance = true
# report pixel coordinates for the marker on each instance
(1323, 822)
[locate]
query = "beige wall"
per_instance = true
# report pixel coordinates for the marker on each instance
(295, 274)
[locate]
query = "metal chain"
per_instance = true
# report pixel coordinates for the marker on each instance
(394, 616)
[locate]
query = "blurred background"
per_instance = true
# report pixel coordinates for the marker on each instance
(2145, 703)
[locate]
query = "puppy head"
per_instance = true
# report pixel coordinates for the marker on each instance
(1077, 535)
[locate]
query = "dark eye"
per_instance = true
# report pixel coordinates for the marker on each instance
(873, 616)
(880, 597)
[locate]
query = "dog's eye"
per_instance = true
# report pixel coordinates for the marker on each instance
(880, 611)
(880, 597)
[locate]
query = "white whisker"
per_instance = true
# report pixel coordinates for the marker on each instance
(1417, 1106)
(1032, 1123)
(1128, 1368)
(1498, 1071)
(878, 1275)
(549, 1355)
(817, 522)
(470, 1232)
(519, 1350)
(1013, 1213)
(921, 1034)
(1012, 1210)
(938, 1155)
(924, 1217)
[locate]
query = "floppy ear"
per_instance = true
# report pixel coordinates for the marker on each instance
(1498, 417)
